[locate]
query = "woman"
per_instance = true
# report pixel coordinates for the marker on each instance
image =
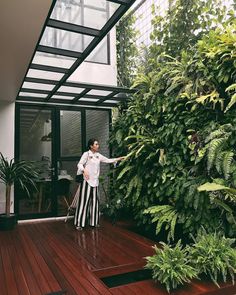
(88, 203)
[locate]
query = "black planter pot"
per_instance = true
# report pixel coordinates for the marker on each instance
(7, 222)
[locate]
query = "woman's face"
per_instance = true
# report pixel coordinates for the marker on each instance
(95, 146)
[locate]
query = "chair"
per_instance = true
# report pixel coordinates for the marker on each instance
(62, 191)
(73, 205)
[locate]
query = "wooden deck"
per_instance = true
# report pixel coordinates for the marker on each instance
(46, 257)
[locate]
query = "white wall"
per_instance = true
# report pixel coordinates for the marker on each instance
(7, 121)
(95, 73)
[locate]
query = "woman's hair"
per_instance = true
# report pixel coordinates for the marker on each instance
(91, 142)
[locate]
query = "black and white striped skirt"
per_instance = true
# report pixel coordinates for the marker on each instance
(87, 210)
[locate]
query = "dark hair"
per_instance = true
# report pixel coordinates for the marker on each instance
(91, 142)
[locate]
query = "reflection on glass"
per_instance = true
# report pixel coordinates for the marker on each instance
(35, 145)
(67, 11)
(94, 18)
(71, 137)
(65, 40)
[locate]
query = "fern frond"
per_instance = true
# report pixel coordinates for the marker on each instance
(215, 134)
(218, 161)
(215, 147)
(164, 215)
(227, 161)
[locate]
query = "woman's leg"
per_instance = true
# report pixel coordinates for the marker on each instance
(94, 208)
(81, 211)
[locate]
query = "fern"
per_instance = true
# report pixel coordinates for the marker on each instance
(215, 146)
(171, 266)
(164, 215)
(227, 161)
(218, 162)
(214, 255)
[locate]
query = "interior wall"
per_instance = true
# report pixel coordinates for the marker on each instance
(7, 133)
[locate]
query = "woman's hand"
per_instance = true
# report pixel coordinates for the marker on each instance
(120, 158)
(86, 174)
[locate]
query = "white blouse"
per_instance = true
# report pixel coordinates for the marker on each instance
(91, 161)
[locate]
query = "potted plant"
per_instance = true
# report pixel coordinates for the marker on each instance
(21, 173)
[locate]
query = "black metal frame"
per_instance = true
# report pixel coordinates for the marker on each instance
(56, 149)
(98, 36)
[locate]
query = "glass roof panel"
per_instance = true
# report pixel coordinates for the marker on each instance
(75, 90)
(65, 40)
(53, 60)
(67, 11)
(100, 52)
(89, 13)
(75, 31)
(62, 97)
(44, 75)
(39, 86)
(33, 94)
(89, 99)
(111, 101)
(99, 92)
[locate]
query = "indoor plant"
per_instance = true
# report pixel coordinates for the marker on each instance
(12, 172)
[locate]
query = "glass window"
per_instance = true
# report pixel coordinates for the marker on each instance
(71, 136)
(97, 123)
(36, 145)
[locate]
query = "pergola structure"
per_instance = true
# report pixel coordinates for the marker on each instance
(65, 42)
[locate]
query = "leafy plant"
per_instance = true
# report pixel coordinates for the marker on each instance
(164, 215)
(214, 255)
(19, 172)
(171, 266)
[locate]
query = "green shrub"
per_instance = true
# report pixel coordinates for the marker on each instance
(213, 255)
(170, 266)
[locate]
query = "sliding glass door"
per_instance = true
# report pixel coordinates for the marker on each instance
(36, 144)
(54, 138)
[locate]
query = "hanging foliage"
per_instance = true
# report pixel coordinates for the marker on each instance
(178, 133)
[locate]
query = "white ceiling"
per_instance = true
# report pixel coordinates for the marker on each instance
(21, 22)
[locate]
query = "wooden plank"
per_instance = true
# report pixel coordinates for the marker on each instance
(36, 271)
(47, 255)
(31, 280)
(3, 277)
(9, 273)
(20, 279)
(42, 265)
